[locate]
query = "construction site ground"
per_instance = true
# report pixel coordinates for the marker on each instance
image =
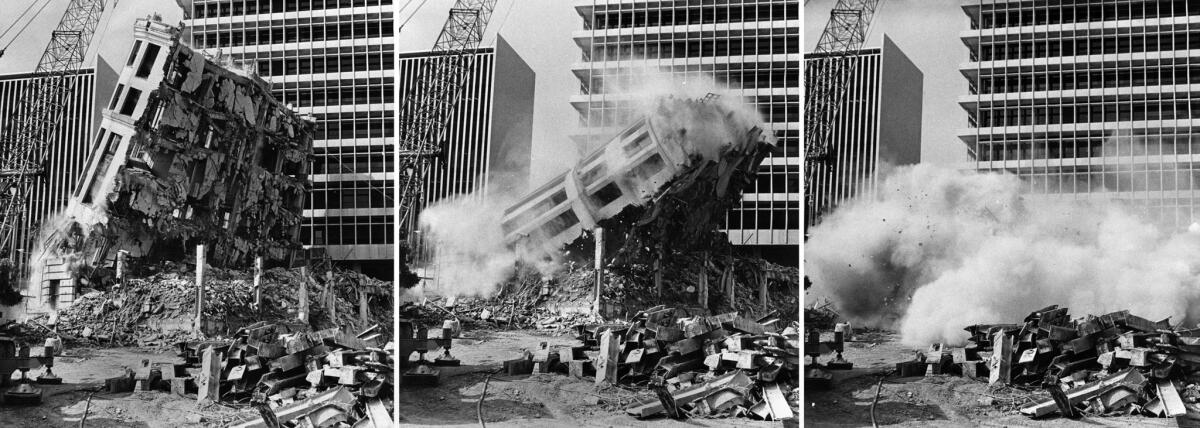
(84, 370)
(538, 400)
(940, 401)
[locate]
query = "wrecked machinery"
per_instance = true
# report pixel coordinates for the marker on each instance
(213, 159)
(16, 357)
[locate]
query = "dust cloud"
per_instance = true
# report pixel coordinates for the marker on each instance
(937, 250)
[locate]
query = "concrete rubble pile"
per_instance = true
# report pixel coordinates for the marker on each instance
(160, 306)
(284, 374)
(699, 366)
(1112, 364)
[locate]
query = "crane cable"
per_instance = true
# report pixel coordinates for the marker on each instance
(503, 20)
(30, 21)
(414, 13)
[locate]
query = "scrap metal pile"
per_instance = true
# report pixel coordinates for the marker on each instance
(284, 374)
(1113, 364)
(699, 366)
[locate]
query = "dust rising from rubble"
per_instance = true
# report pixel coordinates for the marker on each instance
(75, 222)
(937, 250)
(471, 255)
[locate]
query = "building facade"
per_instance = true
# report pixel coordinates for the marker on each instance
(750, 47)
(1088, 100)
(879, 123)
(489, 137)
(333, 60)
(68, 146)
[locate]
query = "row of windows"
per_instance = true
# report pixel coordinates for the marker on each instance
(360, 128)
(734, 79)
(350, 195)
(720, 14)
(366, 94)
(295, 33)
(348, 230)
(1137, 43)
(350, 163)
(609, 116)
(1084, 12)
(763, 217)
(1090, 146)
(1084, 113)
(777, 181)
(695, 48)
(1085, 79)
(327, 64)
(252, 7)
(1096, 182)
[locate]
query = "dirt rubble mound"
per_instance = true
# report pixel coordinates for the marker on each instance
(158, 306)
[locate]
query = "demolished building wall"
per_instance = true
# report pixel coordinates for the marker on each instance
(189, 153)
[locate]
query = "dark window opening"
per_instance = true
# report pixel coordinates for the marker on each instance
(148, 60)
(131, 102)
(137, 44)
(608, 194)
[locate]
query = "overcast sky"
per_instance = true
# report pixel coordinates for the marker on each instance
(114, 36)
(540, 32)
(927, 32)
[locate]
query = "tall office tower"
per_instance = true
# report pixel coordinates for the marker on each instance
(1088, 100)
(752, 47)
(69, 144)
(489, 137)
(879, 123)
(334, 60)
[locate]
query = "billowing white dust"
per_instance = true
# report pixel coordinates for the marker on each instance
(938, 250)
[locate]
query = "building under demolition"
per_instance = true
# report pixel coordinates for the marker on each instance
(190, 152)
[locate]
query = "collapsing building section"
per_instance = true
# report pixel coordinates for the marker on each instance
(216, 160)
(211, 158)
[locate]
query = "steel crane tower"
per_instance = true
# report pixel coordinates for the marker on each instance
(428, 107)
(825, 90)
(24, 151)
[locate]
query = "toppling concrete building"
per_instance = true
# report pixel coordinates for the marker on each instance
(189, 152)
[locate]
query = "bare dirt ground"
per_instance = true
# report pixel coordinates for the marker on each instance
(939, 401)
(83, 371)
(538, 400)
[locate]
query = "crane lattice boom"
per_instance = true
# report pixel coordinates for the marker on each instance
(27, 143)
(428, 107)
(826, 86)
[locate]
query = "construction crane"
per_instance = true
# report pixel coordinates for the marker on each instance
(826, 88)
(428, 107)
(24, 152)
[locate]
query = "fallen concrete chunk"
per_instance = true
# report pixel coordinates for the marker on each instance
(685, 396)
(339, 398)
(777, 402)
(1127, 377)
(1172, 404)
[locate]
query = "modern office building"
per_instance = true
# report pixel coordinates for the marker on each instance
(879, 123)
(69, 144)
(1088, 100)
(489, 137)
(334, 60)
(752, 47)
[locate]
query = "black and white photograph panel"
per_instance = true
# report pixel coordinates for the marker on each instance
(1002, 223)
(196, 224)
(599, 213)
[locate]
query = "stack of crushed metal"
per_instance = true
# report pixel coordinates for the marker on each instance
(699, 366)
(1113, 364)
(284, 374)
